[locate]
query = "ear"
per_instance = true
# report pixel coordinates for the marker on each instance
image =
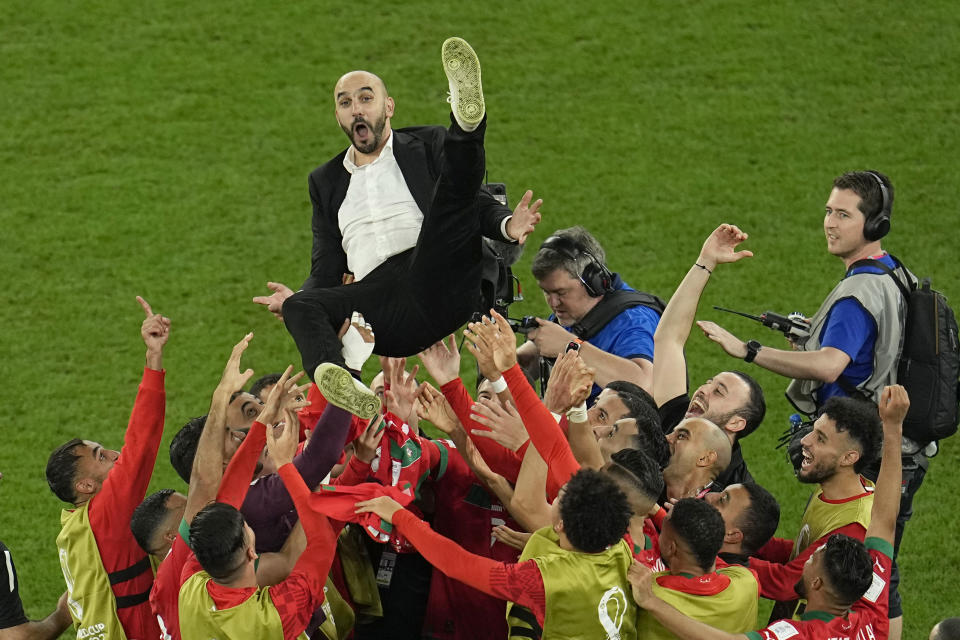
(170, 536)
(558, 527)
(850, 458)
(251, 553)
(707, 459)
(390, 106)
(84, 486)
(735, 424)
(733, 536)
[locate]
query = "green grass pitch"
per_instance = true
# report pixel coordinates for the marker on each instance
(162, 149)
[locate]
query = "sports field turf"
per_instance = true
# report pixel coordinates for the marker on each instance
(162, 149)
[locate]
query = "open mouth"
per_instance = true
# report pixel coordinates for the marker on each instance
(695, 409)
(807, 460)
(361, 130)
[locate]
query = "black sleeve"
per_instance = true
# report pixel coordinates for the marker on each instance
(11, 609)
(328, 261)
(672, 412)
(492, 214)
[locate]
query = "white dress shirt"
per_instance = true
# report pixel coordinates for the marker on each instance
(379, 217)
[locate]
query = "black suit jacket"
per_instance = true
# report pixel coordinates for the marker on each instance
(419, 153)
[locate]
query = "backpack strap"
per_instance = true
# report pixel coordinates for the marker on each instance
(870, 262)
(610, 307)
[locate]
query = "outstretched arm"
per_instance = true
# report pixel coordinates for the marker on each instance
(670, 368)
(825, 364)
(893, 407)
(208, 462)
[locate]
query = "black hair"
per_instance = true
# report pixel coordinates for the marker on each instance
(264, 381)
(183, 447)
(148, 517)
(947, 629)
(701, 527)
(62, 470)
(754, 409)
(759, 521)
(624, 387)
(865, 185)
(861, 422)
(848, 567)
(217, 538)
(642, 471)
(594, 510)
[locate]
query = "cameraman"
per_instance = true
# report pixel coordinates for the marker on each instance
(856, 334)
(613, 323)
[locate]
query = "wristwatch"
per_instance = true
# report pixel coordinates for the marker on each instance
(753, 348)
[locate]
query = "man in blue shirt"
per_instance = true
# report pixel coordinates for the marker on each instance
(856, 334)
(570, 269)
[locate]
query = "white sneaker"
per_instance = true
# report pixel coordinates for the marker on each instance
(462, 67)
(340, 389)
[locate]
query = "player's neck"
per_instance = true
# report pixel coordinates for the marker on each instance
(818, 602)
(842, 485)
(690, 485)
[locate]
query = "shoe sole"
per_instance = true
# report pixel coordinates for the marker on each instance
(462, 67)
(339, 388)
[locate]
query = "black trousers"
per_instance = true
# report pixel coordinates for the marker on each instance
(415, 298)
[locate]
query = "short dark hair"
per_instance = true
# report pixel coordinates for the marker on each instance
(848, 567)
(183, 447)
(759, 521)
(865, 185)
(947, 629)
(754, 409)
(62, 470)
(264, 381)
(217, 538)
(548, 260)
(625, 387)
(148, 517)
(861, 422)
(701, 527)
(594, 510)
(639, 470)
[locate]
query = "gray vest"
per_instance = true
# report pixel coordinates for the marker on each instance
(880, 296)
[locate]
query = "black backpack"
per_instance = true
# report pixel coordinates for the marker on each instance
(929, 362)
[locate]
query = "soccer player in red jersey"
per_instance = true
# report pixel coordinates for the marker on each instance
(844, 581)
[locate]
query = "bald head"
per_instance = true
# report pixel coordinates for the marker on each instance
(698, 443)
(948, 629)
(363, 110)
(363, 78)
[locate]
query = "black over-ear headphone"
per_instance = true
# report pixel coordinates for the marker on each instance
(877, 226)
(595, 276)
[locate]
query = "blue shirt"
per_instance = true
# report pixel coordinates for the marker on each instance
(628, 335)
(851, 329)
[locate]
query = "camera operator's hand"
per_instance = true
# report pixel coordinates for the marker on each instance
(730, 343)
(442, 360)
(493, 344)
(720, 247)
(551, 339)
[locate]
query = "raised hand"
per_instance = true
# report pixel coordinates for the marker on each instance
(365, 446)
(383, 506)
(233, 379)
(551, 339)
(493, 344)
(525, 218)
(506, 427)
(274, 302)
(282, 443)
(402, 390)
(570, 383)
(893, 407)
(356, 336)
(730, 343)
(435, 408)
(721, 246)
(442, 360)
(285, 395)
(155, 330)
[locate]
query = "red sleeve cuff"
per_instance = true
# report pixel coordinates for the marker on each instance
(153, 379)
